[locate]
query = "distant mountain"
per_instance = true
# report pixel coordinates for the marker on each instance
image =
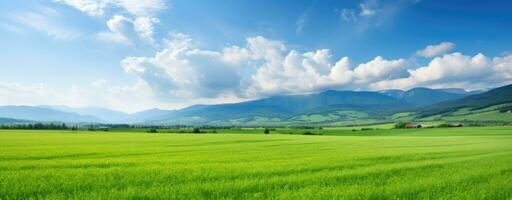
(43, 114)
(325, 107)
(288, 106)
(492, 97)
(426, 96)
(420, 97)
(149, 116)
(461, 91)
(104, 114)
(397, 94)
(12, 121)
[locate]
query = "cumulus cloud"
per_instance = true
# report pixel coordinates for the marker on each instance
(380, 69)
(121, 30)
(185, 71)
(261, 68)
(435, 50)
(503, 67)
(298, 72)
(265, 67)
(182, 74)
(134, 24)
(127, 31)
(456, 70)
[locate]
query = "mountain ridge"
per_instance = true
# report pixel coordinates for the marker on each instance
(44, 114)
(283, 107)
(495, 96)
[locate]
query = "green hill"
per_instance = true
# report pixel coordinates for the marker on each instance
(493, 97)
(288, 107)
(420, 96)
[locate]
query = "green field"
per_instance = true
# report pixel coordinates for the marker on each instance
(452, 163)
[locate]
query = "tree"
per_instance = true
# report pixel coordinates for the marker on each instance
(267, 131)
(400, 124)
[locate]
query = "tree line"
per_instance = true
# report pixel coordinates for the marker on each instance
(38, 126)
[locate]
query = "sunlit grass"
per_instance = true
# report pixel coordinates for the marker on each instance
(457, 163)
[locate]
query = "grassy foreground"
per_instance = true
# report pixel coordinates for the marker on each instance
(458, 163)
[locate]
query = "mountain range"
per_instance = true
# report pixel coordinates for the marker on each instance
(325, 107)
(424, 96)
(493, 97)
(44, 114)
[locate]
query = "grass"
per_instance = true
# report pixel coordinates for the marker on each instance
(452, 163)
(491, 113)
(482, 116)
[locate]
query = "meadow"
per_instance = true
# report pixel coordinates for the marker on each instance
(437, 163)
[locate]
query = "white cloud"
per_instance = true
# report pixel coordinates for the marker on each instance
(348, 15)
(373, 14)
(266, 67)
(98, 93)
(45, 20)
(142, 8)
(262, 68)
(134, 24)
(299, 73)
(436, 50)
(503, 66)
(91, 7)
(302, 21)
(380, 69)
(456, 70)
(368, 8)
(127, 31)
(101, 93)
(11, 28)
(182, 74)
(180, 70)
(134, 7)
(19, 94)
(144, 27)
(121, 30)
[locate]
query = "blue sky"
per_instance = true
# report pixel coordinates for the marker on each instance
(132, 55)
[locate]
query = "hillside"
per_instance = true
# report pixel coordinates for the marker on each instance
(106, 115)
(148, 116)
(496, 96)
(328, 107)
(283, 107)
(420, 97)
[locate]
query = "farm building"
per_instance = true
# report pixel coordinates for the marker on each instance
(412, 126)
(457, 125)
